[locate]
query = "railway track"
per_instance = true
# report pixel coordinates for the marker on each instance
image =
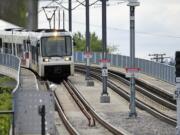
(148, 89)
(66, 122)
(87, 110)
(45, 85)
(122, 91)
(108, 126)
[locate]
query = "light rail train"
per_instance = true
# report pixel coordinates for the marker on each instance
(49, 53)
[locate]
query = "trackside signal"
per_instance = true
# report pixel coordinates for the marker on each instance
(177, 91)
(177, 65)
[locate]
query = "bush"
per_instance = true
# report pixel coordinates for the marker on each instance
(5, 104)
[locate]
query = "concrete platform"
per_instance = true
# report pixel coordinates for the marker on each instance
(116, 112)
(28, 100)
(28, 80)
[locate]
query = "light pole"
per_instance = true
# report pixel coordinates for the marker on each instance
(87, 53)
(132, 4)
(105, 98)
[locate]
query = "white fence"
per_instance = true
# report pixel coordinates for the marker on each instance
(157, 70)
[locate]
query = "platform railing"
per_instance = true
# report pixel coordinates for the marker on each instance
(10, 65)
(157, 70)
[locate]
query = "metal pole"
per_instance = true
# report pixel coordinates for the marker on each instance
(49, 23)
(88, 77)
(104, 95)
(70, 15)
(178, 111)
(87, 39)
(132, 5)
(59, 19)
(104, 54)
(177, 92)
(54, 19)
(63, 20)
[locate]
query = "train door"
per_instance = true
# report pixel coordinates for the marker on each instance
(19, 50)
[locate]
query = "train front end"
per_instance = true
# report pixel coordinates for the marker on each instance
(57, 55)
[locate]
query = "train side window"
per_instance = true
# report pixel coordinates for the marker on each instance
(38, 47)
(68, 46)
(19, 50)
(28, 45)
(24, 43)
(33, 53)
(14, 49)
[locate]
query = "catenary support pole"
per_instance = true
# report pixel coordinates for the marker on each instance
(89, 81)
(132, 4)
(54, 19)
(63, 20)
(177, 91)
(70, 15)
(105, 98)
(59, 17)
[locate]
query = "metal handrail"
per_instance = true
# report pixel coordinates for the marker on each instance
(160, 71)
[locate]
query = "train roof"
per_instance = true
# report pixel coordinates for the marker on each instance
(37, 33)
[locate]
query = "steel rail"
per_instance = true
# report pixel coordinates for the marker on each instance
(144, 91)
(157, 91)
(108, 126)
(143, 88)
(139, 103)
(61, 113)
(80, 104)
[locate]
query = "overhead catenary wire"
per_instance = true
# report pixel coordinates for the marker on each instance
(126, 30)
(61, 2)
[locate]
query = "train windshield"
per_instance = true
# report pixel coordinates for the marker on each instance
(56, 46)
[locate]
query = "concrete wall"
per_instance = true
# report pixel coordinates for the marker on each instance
(7, 71)
(20, 12)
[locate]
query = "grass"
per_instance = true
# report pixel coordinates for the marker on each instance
(5, 104)
(4, 79)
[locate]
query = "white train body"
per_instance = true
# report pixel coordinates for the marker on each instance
(48, 53)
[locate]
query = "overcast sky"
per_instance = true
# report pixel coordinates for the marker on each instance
(157, 25)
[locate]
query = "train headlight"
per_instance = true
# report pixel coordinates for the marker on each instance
(55, 33)
(46, 60)
(67, 58)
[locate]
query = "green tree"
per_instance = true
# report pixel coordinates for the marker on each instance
(96, 43)
(80, 41)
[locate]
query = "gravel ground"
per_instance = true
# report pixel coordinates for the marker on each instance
(144, 124)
